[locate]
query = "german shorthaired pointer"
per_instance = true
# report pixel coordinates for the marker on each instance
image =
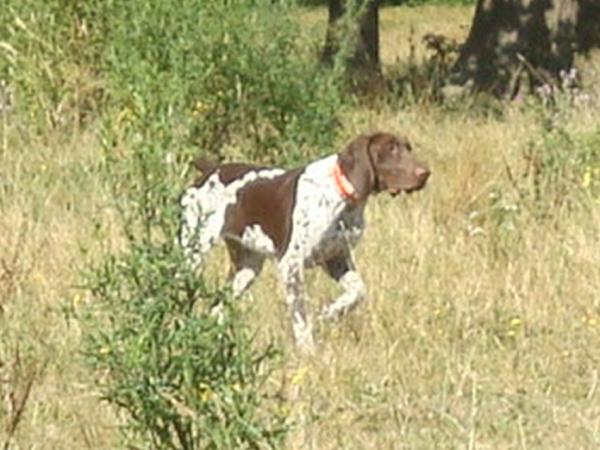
(303, 217)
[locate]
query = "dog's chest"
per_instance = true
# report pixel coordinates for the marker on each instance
(342, 234)
(323, 223)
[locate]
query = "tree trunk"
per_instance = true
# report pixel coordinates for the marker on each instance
(516, 44)
(357, 38)
(588, 25)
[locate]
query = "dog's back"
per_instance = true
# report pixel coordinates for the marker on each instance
(227, 172)
(205, 202)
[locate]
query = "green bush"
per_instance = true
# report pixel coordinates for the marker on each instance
(184, 378)
(220, 73)
(398, 2)
(430, 2)
(260, 80)
(206, 73)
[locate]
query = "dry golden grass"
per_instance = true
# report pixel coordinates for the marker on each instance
(400, 27)
(471, 337)
(475, 335)
(54, 209)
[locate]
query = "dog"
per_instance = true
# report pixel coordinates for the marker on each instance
(303, 217)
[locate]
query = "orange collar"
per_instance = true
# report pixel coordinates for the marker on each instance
(342, 183)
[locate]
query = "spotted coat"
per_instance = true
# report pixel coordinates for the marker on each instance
(310, 216)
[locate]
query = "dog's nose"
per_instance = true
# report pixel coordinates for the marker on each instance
(422, 173)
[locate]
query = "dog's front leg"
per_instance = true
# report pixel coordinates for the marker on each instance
(341, 268)
(292, 276)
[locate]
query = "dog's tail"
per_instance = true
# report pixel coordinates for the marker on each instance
(204, 165)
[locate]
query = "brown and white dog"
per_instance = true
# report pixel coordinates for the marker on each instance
(302, 217)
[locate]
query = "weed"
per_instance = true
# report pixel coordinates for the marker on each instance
(17, 378)
(185, 378)
(422, 81)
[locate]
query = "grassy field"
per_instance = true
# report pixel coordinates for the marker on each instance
(482, 326)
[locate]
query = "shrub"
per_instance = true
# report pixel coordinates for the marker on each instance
(184, 378)
(422, 81)
(260, 81)
(236, 72)
(398, 2)
(215, 73)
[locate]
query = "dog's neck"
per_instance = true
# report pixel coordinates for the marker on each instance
(343, 184)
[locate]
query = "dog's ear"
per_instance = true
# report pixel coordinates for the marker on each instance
(380, 143)
(356, 165)
(203, 165)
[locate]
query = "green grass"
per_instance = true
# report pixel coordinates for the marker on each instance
(482, 326)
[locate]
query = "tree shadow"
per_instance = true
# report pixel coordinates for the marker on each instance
(513, 45)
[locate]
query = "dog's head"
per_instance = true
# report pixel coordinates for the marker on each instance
(382, 162)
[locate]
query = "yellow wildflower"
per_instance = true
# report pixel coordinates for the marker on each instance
(515, 322)
(299, 375)
(587, 178)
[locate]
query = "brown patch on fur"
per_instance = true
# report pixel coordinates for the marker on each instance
(268, 203)
(227, 172)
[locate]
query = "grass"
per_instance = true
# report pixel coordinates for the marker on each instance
(399, 25)
(482, 328)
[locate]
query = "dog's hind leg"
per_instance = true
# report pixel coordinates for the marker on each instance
(292, 276)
